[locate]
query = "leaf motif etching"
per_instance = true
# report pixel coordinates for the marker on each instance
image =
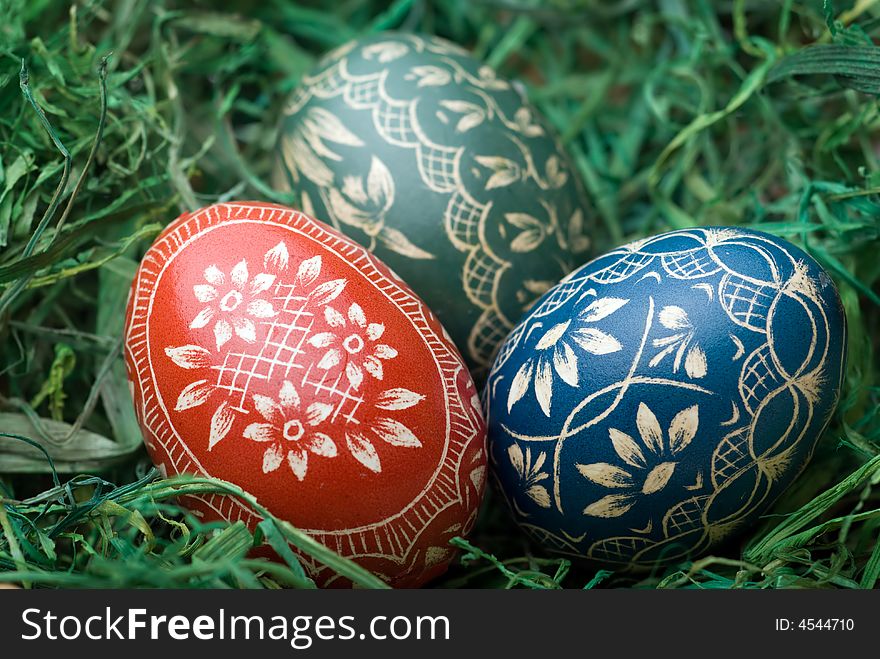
(385, 51)
(648, 468)
(505, 171)
(554, 172)
(578, 241)
(681, 343)
(526, 124)
(365, 207)
(360, 438)
(556, 352)
(471, 115)
(347, 349)
(532, 231)
(305, 151)
(429, 76)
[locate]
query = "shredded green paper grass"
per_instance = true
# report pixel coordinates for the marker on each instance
(116, 115)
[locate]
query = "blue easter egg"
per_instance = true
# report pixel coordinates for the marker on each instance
(660, 397)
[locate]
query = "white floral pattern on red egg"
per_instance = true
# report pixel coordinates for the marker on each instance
(267, 350)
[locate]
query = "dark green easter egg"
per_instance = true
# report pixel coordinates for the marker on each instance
(422, 154)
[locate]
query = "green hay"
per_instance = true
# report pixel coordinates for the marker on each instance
(116, 115)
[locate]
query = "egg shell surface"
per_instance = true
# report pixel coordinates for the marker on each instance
(424, 155)
(662, 396)
(266, 349)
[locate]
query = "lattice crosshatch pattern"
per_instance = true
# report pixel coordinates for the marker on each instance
(280, 352)
(690, 265)
(657, 399)
(280, 357)
(747, 302)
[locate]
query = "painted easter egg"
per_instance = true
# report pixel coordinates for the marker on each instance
(268, 350)
(422, 154)
(659, 398)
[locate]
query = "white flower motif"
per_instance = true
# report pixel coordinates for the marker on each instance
(292, 433)
(676, 319)
(530, 473)
(555, 352)
(232, 303)
(647, 471)
(289, 431)
(355, 343)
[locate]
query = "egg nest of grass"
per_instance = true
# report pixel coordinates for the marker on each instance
(760, 119)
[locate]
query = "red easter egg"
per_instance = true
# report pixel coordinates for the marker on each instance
(266, 349)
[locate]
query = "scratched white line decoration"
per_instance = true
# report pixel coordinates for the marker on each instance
(660, 397)
(444, 170)
(268, 350)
